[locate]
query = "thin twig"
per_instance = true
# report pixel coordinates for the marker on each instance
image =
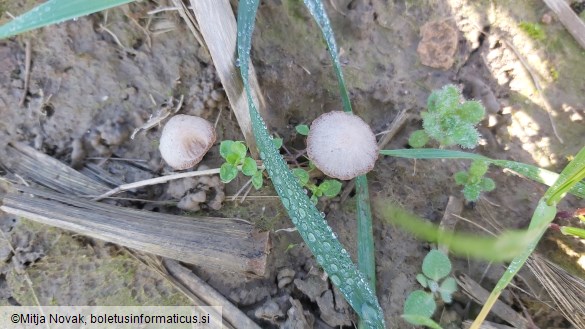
(241, 190)
(27, 60)
(155, 181)
(144, 30)
(117, 41)
(160, 180)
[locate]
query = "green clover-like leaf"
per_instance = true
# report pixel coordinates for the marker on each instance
(419, 320)
(302, 175)
(240, 149)
(233, 159)
(436, 265)
(302, 129)
(227, 172)
(225, 148)
(422, 280)
(447, 288)
(249, 167)
(277, 142)
(487, 184)
(258, 180)
(330, 187)
(420, 303)
(418, 139)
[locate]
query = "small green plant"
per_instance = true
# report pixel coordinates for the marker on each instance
(449, 120)
(302, 129)
(328, 188)
(474, 181)
(420, 304)
(533, 30)
(234, 153)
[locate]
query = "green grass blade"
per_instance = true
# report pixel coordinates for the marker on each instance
(496, 249)
(53, 12)
(366, 255)
(310, 224)
(316, 9)
(365, 232)
(571, 176)
(543, 215)
(537, 174)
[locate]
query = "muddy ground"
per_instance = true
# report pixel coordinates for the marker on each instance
(87, 91)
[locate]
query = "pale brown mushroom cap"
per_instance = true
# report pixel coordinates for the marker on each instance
(184, 141)
(342, 145)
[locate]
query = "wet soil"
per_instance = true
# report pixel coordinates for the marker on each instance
(88, 90)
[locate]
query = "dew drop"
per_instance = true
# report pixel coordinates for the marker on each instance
(326, 246)
(285, 202)
(334, 268)
(320, 259)
(335, 280)
(311, 237)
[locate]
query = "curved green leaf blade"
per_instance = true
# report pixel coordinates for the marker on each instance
(537, 174)
(53, 12)
(310, 224)
(316, 9)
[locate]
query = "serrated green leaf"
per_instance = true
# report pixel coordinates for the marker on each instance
(418, 139)
(225, 148)
(421, 303)
(257, 180)
(53, 12)
(249, 167)
(472, 112)
(436, 265)
(277, 142)
(460, 178)
(330, 187)
(488, 184)
(302, 175)
(422, 280)
(419, 320)
(471, 192)
(302, 130)
(227, 172)
(478, 168)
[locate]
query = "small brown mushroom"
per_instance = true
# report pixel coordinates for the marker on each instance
(342, 145)
(184, 141)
